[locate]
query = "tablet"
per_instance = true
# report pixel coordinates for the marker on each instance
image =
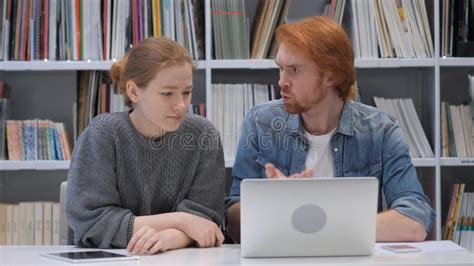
(88, 256)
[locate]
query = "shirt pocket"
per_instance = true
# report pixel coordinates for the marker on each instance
(263, 159)
(372, 168)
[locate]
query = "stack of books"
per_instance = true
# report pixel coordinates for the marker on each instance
(29, 223)
(231, 102)
(460, 219)
(30, 140)
(404, 111)
(457, 132)
(391, 29)
(93, 29)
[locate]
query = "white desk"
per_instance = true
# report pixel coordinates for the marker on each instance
(230, 255)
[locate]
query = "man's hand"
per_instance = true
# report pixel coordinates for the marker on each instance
(206, 233)
(272, 172)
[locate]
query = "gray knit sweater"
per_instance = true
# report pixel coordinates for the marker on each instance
(117, 174)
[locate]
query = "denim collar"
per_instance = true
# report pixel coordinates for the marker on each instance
(294, 123)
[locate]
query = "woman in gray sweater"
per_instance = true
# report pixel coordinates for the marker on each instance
(151, 179)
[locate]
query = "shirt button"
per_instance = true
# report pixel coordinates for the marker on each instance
(336, 149)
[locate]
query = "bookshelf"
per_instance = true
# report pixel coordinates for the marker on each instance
(425, 80)
(446, 161)
(379, 77)
(34, 165)
(359, 63)
(243, 64)
(456, 62)
(394, 63)
(424, 162)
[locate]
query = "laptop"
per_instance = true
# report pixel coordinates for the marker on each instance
(308, 217)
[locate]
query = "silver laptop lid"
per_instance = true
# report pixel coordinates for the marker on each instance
(308, 217)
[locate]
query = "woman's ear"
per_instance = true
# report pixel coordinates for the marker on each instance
(132, 91)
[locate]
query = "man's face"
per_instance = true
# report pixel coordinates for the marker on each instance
(302, 83)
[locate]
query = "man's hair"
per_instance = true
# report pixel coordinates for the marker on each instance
(327, 44)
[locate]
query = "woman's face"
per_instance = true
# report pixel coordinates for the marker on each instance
(162, 105)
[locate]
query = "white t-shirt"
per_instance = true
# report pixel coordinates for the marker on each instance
(319, 155)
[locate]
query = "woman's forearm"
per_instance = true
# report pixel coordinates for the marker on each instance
(177, 239)
(160, 222)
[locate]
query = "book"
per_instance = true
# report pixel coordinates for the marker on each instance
(14, 139)
(95, 30)
(55, 224)
(16, 225)
(3, 224)
(38, 225)
(4, 116)
(9, 225)
(26, 223)
(457, 130)
(390, 29)
(450, 227)
(47, 223)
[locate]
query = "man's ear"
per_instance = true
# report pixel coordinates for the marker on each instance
(132, 91)
(329, 79)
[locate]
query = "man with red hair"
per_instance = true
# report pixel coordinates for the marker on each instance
(316, 130)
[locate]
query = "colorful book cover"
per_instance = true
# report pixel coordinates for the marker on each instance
(29, 136)
(51, 147)
(57, 144)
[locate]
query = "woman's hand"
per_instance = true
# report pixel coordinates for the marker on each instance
(148, 241)
(206, 233)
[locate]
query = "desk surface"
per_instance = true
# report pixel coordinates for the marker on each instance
(230, 255)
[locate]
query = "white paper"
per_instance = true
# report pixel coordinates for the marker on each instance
(426, 246)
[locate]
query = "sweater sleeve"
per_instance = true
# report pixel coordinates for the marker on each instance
(205, 197)
(93, 206)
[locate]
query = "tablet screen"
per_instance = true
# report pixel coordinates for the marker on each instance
(88, 255)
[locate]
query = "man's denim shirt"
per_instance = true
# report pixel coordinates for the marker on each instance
(367, 143)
